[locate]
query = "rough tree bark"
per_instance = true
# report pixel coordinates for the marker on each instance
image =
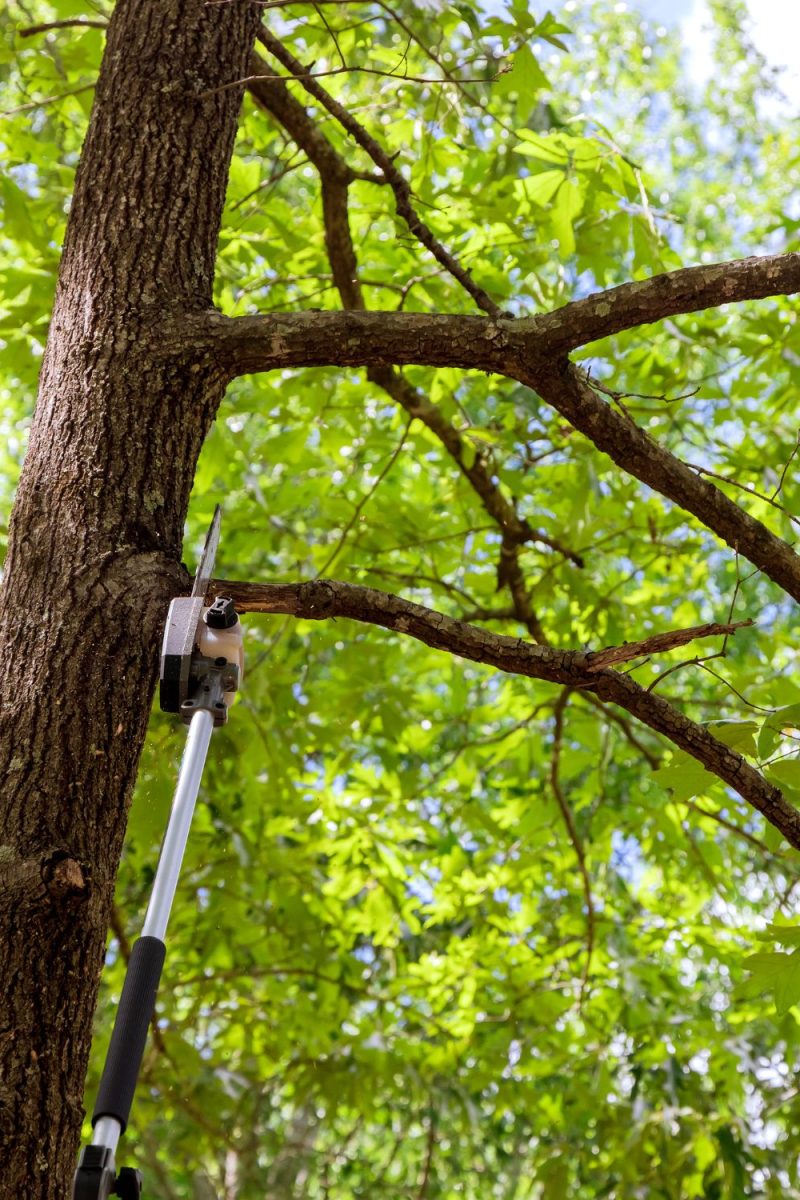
(95, 543)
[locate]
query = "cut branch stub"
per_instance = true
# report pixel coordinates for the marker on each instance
(658, 643)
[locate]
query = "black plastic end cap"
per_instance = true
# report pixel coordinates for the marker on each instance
(222, 613)
(94, 1178)
(129, 1184)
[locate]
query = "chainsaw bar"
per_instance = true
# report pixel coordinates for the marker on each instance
(205, 568)
(183, 619)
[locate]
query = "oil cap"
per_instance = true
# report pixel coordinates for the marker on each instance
(222, 613)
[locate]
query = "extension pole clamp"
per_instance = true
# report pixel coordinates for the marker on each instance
(201, 668)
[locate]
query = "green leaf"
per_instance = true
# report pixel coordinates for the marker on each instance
(705, 1151)
(684, 777)
(548, 149)
(786, 774)
(775, 972)
(568, 204)
(541, 188)
(528, 79)
(739, 735)
(787, 984)
(785, 935)
(773, 726)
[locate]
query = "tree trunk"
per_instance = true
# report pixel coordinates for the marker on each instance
(95, 542)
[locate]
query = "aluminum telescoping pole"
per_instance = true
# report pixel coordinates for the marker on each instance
(137, 1002)
(169, 864)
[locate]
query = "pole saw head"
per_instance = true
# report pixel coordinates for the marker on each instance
(201, 656)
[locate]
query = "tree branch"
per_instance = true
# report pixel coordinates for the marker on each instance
(342, 70)
(396, 181)
(572, 396)
(360, 339)
(335, 176)
(516, 349)
(688, 290)
(326, 599)
(45, 100)
(567, 389)
(516, 530)
(276, 99)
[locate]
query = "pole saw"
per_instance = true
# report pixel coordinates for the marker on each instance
(201, 669)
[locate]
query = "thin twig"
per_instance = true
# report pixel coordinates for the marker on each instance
(687, 662)
(66, 23)
(574, 837)
(749, 491)
(274, 177)
(346, 70)
(730, 825)
(430, 1145)
(789, 461)
(21, 108)
(757, 707)
(151, 1145)
(617, 395)
(330, 31)
(362, 502)
(281, 3)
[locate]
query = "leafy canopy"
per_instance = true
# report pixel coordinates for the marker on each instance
(395, 966)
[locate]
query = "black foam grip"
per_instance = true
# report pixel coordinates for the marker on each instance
(136, 1006)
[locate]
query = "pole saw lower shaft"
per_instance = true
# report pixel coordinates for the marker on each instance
(96, 1178)
(137, 1002)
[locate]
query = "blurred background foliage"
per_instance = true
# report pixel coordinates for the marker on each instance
(393, 968)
